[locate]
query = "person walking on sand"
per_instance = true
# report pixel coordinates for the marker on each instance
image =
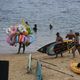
(21, 42)
(70, 35)
(59, 40)
(76, 44)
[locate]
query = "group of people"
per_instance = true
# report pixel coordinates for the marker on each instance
(35, 27)
(71, 36)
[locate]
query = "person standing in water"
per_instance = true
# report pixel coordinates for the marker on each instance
(50, 26)
(35, 28)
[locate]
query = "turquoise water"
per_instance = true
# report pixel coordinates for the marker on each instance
(62, 14)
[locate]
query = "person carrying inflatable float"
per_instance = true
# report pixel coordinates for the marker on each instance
(21, 42)
(59, 41)
(61, 45)
(21, 34)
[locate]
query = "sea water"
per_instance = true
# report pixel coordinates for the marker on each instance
(62, 14)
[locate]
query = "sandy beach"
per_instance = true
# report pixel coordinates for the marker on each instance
(18, 66)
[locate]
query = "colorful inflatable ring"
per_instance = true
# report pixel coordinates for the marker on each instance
(32, 38)
(74, 68)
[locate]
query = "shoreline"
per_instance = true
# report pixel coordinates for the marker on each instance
(18, 66)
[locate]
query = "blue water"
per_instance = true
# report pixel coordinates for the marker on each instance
(62, 14)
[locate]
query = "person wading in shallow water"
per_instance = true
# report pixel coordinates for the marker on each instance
(21, 42)
(35, 28)
(76, 44)
(59, 40)
(50, 26)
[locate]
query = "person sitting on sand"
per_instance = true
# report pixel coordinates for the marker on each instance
(76, 44)
(70, 35)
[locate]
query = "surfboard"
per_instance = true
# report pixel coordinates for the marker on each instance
(53, 48)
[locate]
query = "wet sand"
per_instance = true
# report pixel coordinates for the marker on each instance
(18, 66)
